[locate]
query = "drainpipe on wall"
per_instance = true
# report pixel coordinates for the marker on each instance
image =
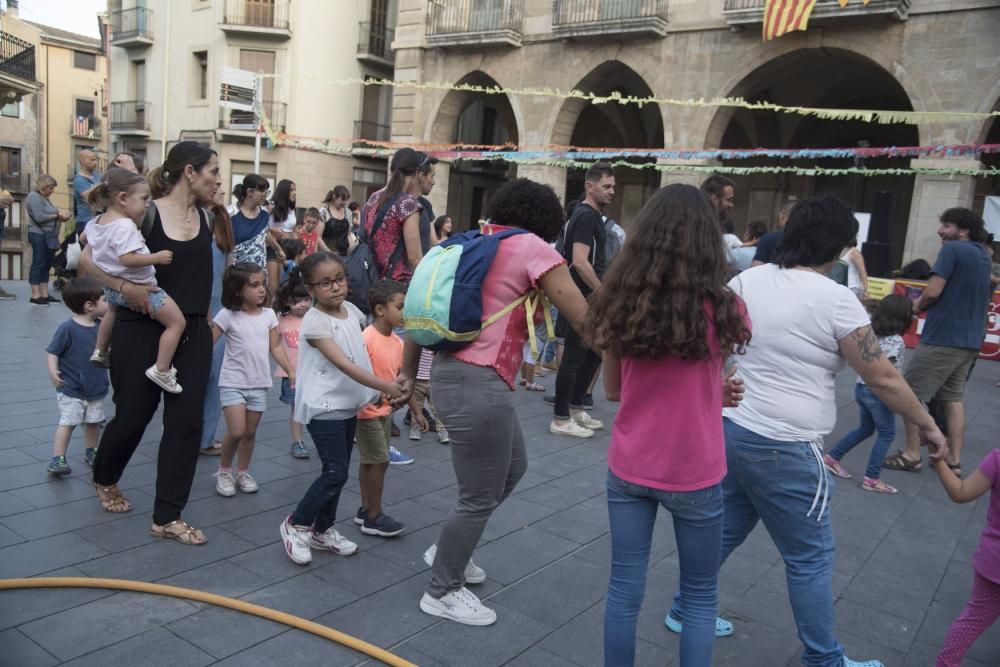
(166, 87)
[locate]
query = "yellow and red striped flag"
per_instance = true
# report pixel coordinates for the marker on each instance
(784, 16)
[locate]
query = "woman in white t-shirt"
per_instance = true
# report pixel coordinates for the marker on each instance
(805, 328)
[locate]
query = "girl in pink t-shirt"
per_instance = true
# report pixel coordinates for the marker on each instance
(666, 321)
(293, 302)
(983, 607)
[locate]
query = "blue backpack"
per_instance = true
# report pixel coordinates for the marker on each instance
(444, 303)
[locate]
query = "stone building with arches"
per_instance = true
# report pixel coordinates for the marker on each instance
(919, 55)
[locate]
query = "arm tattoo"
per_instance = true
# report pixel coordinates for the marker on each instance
(868, 346)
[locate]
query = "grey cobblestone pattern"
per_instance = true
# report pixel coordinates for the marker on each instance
(902, 565)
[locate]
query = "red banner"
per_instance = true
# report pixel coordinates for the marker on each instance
(912, 289)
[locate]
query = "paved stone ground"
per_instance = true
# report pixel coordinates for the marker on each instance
(902, 565)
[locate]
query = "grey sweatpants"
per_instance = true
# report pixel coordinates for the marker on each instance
(487, 453)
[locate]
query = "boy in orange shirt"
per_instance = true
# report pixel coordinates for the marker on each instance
(385, 349)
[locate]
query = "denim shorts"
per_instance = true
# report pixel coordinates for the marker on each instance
(76, 411)
(287, 392)
(116, 298)
(255, 399)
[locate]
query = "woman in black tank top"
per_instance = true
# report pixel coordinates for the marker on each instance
(189, 175)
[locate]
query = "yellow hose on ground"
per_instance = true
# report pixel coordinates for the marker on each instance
(211, 598)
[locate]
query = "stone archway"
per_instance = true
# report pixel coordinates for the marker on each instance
(471, 118)
(582, 124)
(989, 187)
(825, 78)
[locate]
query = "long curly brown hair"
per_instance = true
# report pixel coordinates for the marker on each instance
(652, 301)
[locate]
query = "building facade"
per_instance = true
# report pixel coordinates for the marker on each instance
(921, 55)
(167, 60)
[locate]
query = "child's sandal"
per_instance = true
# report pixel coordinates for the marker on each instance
(112, 499)
(180, 531)
(878, 486)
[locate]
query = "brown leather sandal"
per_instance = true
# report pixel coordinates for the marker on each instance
(180, 531)
(112, 499)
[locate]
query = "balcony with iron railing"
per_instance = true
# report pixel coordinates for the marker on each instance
(17, 68)
(16, 183)
(85, 127)
(242, 124)
(474, 23)
(580, 19)
(268, 19)
(131, 28)
(375, 44)
(745, 13)
(130, 118)
(369, 130)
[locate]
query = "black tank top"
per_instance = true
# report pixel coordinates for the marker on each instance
(188, 279)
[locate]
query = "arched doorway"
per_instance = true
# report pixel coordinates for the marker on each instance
(830, 78)
(473, 119)
(584, 124)
(989, 187)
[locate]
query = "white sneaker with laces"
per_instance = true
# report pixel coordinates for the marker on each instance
(246, 482)
(166, 381)
(333, 541)
(570, 428)
(414, 431)
(461, 606)
(225, 484)
(473, 573)
(296, 539)
(586, 421)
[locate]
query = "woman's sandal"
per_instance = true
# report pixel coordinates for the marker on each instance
(180, 531)
(878, 486)
(534, 386)
(112, 499)
(899, 462)
(833, 465)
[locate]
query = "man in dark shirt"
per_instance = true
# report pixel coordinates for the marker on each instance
(956, 301)
(584, 250)
(767, 246)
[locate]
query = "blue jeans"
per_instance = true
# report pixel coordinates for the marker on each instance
(334, 440)
(698, 528)
(875, 416)
(213, 404)
(41, 260)
(775, 482)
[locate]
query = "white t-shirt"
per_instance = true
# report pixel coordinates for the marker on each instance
(288, 226)
(322, 390)
(790, 365)
(731, 241)
(853, 275)
(110, 240)
(246, 364)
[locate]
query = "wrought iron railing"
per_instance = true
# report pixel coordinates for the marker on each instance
(131, 115)
(17, 57)
(376, 40)
(131, 24)
(19, 183)
(371, 131)
(573, 12)
(461, 16)
(257, 13)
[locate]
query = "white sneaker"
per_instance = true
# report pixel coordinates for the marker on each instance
(333, 541)
(461, 606)
(570, 428)
(167, 381)
(225, 484)
(296, 539)
(246, 482)
(414, 431)
(443, 436)
(473, 573)
(586, 421)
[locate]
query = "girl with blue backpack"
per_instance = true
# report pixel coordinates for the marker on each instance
(474, 377)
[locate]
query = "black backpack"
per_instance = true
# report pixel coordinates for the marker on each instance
(362, 269)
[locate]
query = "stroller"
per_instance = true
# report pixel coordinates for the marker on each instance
(64, 261)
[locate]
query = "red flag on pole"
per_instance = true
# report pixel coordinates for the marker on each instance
(784, 16)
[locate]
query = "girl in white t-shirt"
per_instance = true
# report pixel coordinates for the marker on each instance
(251, 334)
(890, 321)
(336, 380)
(119, 250)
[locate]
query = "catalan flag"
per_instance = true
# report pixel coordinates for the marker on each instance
(784, 16)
